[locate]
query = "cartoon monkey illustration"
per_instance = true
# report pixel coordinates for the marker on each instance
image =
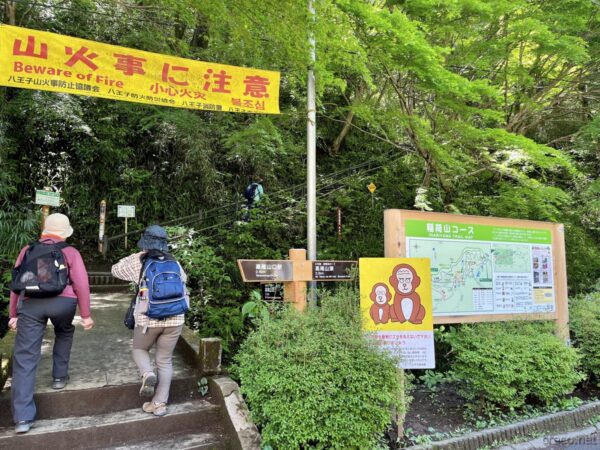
(381, 311)
(407, 303)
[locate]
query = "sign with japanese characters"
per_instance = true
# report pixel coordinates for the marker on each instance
(396, 308)
(272, 292)
(257, 270)
(34, 59)
(47, 198)
(485, 269)
(125, 210)
(333, 270)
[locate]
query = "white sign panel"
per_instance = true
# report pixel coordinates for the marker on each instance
(126, 211)
(47, 198)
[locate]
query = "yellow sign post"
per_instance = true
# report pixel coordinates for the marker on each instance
(34, 59)
(372, 187)
(396, 308)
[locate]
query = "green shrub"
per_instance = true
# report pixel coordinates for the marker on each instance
(313, 380)
(584, 312)
(214, 298)
(506, 364)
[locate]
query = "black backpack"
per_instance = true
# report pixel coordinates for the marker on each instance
(43, 271)
(250, 191)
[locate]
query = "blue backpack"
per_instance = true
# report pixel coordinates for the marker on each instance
(166, 290)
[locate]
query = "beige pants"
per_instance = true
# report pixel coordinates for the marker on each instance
(165, 339)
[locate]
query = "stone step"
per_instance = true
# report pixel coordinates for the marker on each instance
(82, 402)
(105, 282)
(196, 441)
(117, 428)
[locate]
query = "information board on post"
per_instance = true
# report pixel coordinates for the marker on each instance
(127, 211)
(47, 198)
(490, 269)
(486, 268)
(396, 308)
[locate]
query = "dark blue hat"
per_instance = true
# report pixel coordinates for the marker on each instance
(154, 238)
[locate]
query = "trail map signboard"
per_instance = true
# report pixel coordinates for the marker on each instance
(485, 268)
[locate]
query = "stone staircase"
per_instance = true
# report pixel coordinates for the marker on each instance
(101, 408)
(103, 281)
(111, 417)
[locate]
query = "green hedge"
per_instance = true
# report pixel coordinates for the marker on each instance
(584, 315)
(313, 380)
(506, 364)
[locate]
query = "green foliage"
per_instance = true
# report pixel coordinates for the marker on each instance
(256, 308)
(314, 381)
(584, 313)
(203, 386)
(503, 365)
(214, 298)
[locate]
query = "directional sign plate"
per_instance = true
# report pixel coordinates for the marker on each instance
(333, 270)
(256, 270)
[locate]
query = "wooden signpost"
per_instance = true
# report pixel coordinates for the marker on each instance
(294, 273)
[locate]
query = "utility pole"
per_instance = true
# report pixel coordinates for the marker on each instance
(311, 151)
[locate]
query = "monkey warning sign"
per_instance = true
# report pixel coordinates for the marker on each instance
(396, 308)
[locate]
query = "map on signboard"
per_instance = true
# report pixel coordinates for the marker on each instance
(481, 269)
(456, 270)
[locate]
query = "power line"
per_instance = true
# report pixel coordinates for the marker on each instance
(363, 175)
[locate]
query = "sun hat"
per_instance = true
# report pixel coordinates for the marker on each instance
(58, 225)
(154, 238)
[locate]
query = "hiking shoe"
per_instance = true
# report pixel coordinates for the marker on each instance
(59, 383)
(158, 409)
(24, 426)
(148, 383)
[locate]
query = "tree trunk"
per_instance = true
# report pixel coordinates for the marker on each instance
(10, 10)
(335, 148)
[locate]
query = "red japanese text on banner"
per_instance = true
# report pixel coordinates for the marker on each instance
(34, 59)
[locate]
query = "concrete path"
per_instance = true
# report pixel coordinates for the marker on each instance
(102, 356)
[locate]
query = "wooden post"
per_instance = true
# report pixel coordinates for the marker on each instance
(45, 210)
(101, 237)
(560, 283)
(295, 291)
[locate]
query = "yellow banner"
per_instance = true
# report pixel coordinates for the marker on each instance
(33, 59)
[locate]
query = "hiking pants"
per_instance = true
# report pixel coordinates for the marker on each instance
(33, 316)
(165, 339)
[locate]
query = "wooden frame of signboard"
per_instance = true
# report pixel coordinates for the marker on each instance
(395, 246)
